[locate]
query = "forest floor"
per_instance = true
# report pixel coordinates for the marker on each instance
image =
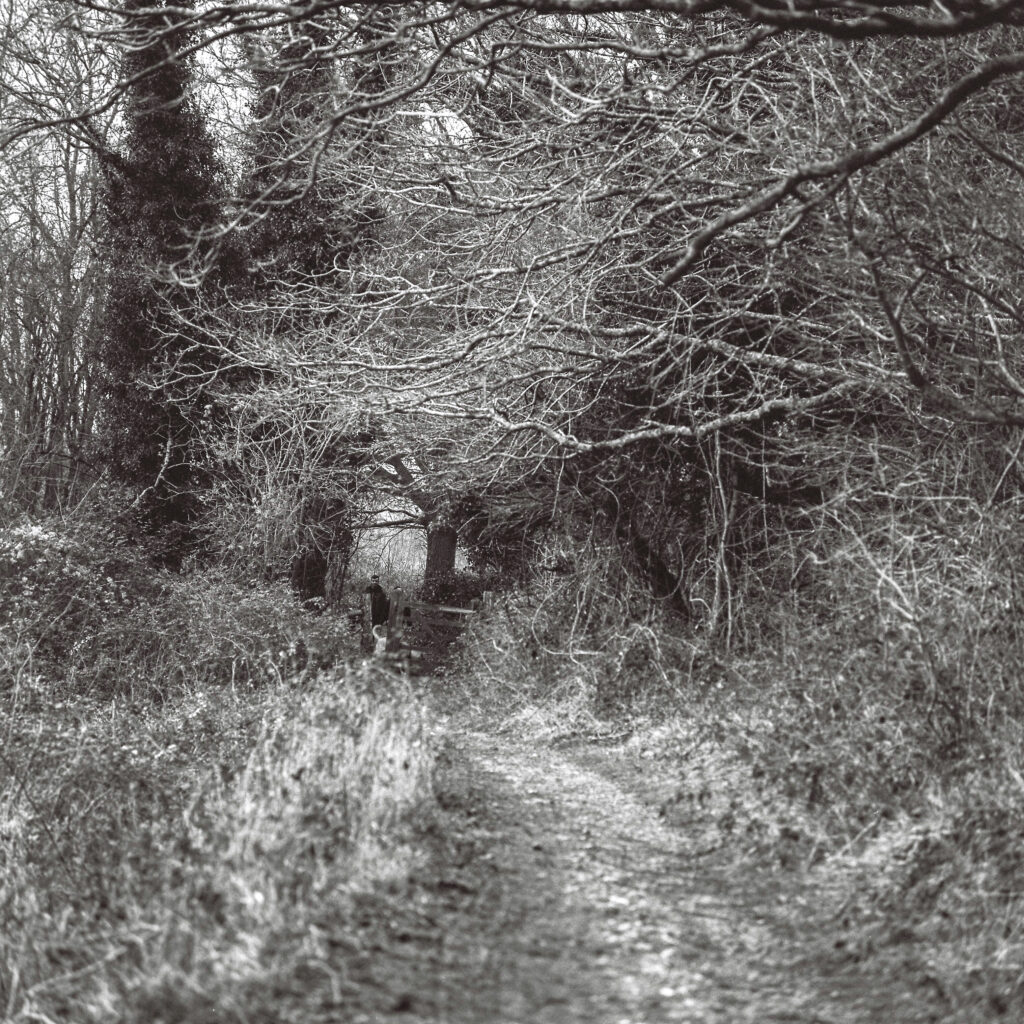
(558, 891)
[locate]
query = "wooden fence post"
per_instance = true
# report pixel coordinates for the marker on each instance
(395, 620)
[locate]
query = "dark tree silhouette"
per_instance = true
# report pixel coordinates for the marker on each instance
(164, 189)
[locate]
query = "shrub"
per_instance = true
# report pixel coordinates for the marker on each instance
(63, 581)
(82, 603)
(587, 635)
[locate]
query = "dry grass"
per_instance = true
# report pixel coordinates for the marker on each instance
(192, 803)
(198, 859)
(865, 723)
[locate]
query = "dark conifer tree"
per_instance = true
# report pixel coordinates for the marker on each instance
(312, 214)
(313, 217)
(164, 190)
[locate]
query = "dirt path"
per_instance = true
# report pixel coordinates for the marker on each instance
(560, 896)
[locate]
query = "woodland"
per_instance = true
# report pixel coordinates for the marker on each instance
(695, 326)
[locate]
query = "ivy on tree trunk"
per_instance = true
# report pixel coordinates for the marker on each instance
(162, 190)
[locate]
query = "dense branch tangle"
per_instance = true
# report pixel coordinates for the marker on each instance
(541, 164)
(604, 226)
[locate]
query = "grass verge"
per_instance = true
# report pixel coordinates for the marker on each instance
(201, 859)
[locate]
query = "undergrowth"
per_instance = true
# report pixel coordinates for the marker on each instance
(80, 604)
(865, 719)
(200, 786)
(173, 863)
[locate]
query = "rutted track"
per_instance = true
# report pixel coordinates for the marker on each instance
(558, 896)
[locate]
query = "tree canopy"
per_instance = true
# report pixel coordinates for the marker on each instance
(655, 262)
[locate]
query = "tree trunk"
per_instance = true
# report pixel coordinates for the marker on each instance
(441, 542)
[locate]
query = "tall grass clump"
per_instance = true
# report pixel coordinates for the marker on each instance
(198, 786)
(198, 859)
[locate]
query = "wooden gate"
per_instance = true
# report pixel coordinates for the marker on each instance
(437, 619)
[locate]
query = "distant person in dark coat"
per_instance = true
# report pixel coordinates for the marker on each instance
(379, 603)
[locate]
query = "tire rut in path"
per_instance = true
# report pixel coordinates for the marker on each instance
(566, 899)
(587, 875)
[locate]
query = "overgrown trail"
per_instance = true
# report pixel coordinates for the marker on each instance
(561, 896)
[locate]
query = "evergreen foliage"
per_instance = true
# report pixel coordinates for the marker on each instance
(311, 221)
(164, 192)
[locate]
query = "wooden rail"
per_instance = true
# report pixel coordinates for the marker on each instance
(405, 613)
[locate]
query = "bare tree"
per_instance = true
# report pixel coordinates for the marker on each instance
(52, 286)
(658, 262)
